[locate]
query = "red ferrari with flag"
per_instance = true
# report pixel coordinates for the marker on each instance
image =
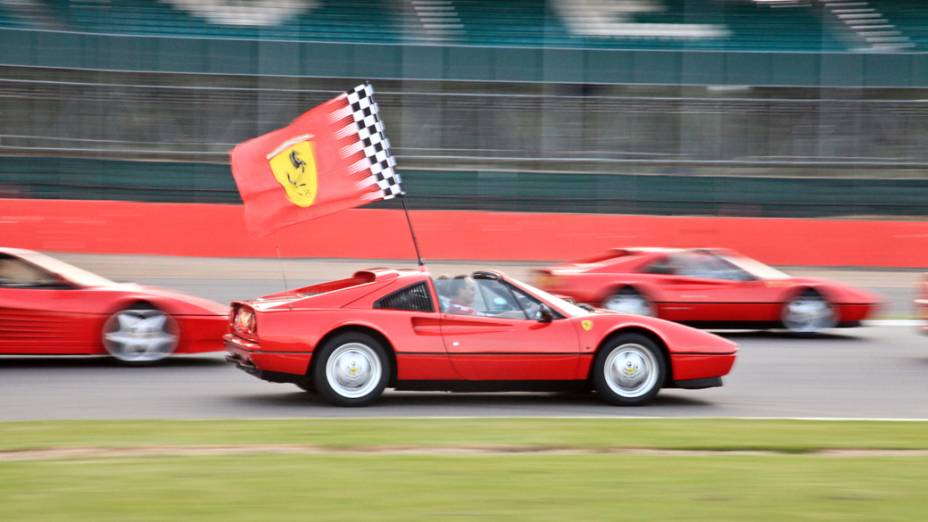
(333, 157)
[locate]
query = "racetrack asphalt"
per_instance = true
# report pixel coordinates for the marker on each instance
(869, 372)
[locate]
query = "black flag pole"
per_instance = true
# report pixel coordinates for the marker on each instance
(412, 231)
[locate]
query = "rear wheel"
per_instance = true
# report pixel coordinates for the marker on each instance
(808, 312)
(628, 301)
(139, 334)
(352, 369)
(629, 370)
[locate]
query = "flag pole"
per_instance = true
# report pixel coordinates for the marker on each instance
(412, 232)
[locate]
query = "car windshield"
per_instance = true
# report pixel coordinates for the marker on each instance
(567, 307)
(756, 268)
(72, 273)
(486, 294)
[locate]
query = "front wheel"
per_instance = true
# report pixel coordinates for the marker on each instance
(352, 370)
(628, 301)
(629, 371)
(808, 312)
(140, 334)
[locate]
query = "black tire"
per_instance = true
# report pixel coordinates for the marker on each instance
(807, 313)
(307, 386)
(630, 301)
(639, 353)
(359, 351)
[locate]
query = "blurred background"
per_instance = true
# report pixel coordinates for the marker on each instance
(808, 108)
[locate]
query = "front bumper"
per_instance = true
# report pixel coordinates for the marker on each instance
(270, 366)
(700, 366)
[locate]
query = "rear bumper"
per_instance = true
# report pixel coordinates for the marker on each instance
(269, 366)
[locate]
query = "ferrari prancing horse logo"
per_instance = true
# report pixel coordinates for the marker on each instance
(294, 166)
(586, 324)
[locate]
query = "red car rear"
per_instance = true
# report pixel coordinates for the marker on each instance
(712, 288)
(352, 338)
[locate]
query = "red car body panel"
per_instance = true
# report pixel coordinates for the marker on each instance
(698, 300)
(434, 347)
(69, 320)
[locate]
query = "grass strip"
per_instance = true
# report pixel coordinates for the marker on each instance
(511, 488)
(790, 436)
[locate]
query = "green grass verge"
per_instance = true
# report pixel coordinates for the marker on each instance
(508, 487)
(497, 486)
(698, 434)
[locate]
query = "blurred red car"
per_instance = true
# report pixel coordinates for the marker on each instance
(710, 288)
(350, 339)
(921, 303)
(48, 307)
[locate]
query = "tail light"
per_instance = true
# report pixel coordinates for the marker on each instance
(244, 320)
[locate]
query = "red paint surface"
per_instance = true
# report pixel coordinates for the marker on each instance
(219, 230)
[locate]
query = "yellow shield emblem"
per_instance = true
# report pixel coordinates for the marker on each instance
(294, 167)
(586, 324)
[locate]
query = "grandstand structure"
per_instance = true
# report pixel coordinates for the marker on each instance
(735, 107)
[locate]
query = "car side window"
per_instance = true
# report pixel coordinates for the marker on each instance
(710, 266)
(663, 266)
(16, 273)
(497, 300)
(531, 306)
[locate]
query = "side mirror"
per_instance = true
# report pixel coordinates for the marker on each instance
(544, 315)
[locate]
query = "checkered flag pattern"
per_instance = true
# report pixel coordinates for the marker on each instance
(365, 112)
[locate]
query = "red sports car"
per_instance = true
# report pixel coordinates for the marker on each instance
(711, 288)
(350, 339)
(48, 307)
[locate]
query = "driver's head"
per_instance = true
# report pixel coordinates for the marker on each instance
(462, 289)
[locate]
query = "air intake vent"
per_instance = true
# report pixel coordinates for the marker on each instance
(414, 298)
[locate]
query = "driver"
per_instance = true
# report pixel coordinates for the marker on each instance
(462, 290)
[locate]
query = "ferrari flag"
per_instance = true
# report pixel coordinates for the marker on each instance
(333, 157)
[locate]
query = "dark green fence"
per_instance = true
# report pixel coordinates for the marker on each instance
(70, 178)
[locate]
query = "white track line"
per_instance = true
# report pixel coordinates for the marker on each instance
(894, 322)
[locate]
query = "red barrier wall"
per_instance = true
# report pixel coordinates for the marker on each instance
(219, 230)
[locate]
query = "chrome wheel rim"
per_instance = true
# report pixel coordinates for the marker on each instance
(140, 335)
(633, 304)
(353, 370)
(631, 370)
(808, 314)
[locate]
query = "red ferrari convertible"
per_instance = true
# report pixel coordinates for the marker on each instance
(350, 339)
(711, 288)
(48, 307)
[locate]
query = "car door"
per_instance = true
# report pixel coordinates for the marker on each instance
(495, 339)
(39, 312)
(706, 288)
